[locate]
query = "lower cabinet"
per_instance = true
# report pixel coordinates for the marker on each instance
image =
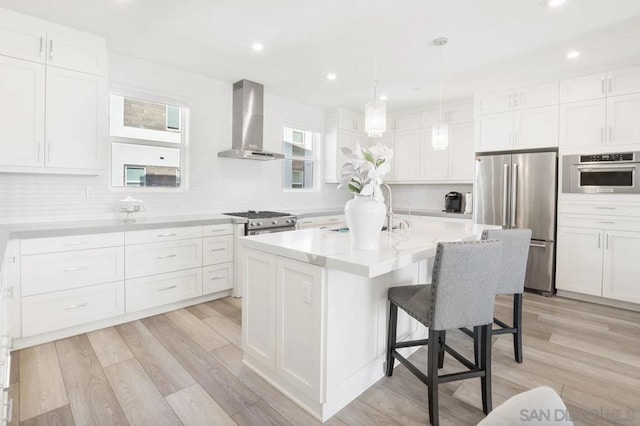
(621, 269)
(163, 289)
(217, 278)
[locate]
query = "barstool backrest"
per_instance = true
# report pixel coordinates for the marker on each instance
(515, 253)
(464, 284)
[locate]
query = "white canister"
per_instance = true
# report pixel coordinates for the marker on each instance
(468, 203)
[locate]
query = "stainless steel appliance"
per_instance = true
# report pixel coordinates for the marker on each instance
(518, 190)
(247, 123)
(601, 173)
(266, 222)
(453, 202)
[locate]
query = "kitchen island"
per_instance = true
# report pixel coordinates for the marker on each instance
(315, 311)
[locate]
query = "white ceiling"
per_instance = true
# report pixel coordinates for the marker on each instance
(490, 41)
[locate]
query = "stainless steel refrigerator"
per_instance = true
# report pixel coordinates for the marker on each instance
(518, 190)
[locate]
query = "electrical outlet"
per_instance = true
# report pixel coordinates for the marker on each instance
(306, 293)
(89, 192)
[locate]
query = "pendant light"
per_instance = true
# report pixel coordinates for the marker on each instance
(440, 133)
(375, 112)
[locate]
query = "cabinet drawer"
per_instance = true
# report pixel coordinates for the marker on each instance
(54, 311)
(212, 230)
(157, 258)
(607, 209)
(163, 234)
(217, 249)
(70, 243)
(607, 223)
(217, 278)
(158, 290)
(45, 273)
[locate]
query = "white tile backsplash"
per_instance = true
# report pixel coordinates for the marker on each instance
(427, 197)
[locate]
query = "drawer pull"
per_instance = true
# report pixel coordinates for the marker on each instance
(608, 223)
(218, 230)
(9, 416)
(219, 249)
(81, 305)
(168, 288)
(75, 268)
(74, 243)
(333, 220)
(172, 234)
(604, 208)
(167, 256)
(537, 245)
(219, 277)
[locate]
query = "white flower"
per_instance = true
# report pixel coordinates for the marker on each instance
(365, 170)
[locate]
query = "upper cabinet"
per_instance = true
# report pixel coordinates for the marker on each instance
(343, 129)
(600, 109)
(525, 118)
(53, 97)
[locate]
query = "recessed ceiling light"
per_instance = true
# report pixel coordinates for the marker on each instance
(573, 54)
(556, 3)
(383, 97)
(331, 76)
(258, 47)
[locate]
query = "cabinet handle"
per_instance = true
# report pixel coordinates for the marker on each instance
(74, 243)
(598, 240)
(51, 50)
(219, 277)
(510, 103)
(610, 134)
(167, 256)
(515, 100)
(41, 46)
(168, 235)
(81, 305)
(75, 268)
(607, 223)
(218, 230)
(602, 85)
(219, 249)
(604, 208)
(48, 155)
(602, 134)
(610, 84)
(168, 288)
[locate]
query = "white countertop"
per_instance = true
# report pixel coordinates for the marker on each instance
(332, 249)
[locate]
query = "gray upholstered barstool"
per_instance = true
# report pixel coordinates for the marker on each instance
(513, 267)
(462, 295)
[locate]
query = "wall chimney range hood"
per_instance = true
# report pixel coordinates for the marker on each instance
(247, 123)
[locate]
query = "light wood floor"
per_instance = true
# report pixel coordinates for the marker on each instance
(185, 367)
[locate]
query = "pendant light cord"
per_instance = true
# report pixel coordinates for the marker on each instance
(375, 52)
(440, 88)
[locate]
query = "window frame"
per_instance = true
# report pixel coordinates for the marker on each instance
(317, 158)
(183, 146)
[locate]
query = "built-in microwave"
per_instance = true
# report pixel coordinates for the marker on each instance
(601, 173)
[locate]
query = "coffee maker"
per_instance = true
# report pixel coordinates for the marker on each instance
(453, 202)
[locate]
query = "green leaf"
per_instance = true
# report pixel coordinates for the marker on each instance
(353, 188)
(380, 163)
(369, 157)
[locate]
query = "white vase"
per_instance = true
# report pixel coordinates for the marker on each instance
(365, 217)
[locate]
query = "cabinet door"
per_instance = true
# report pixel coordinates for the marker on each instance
(388, 139)
(77, 51)
(491, 102)
(258, 279)
(625, 81)
(407, 156)
(349, 120)
(579, 260)
(460, 114)
(21, 112)
(430, 118)
(406, 122)
(582, 124)
(621, 266)
(346, 139)
(583, 88)
(536, 127)
(298, 324)
(623, 119)
(536, 96)
(461, 155)
(435, 163)
(76, 119)
(22, 36)
(494, 132)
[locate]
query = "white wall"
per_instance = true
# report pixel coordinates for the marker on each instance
(215, 184)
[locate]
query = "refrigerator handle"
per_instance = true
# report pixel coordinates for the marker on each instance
(514, 194)
(505, 195)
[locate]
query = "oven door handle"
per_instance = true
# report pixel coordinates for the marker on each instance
(612, 167)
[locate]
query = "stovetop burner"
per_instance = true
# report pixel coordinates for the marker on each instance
(253, 214)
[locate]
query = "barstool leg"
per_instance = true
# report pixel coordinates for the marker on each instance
(391, 337)
(485, 360)
(432, 374)
(443, 340)
(517, 324)
(477, 345)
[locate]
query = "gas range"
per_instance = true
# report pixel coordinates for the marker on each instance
(262, 222)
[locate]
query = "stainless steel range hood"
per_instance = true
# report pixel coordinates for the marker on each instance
(247, 123)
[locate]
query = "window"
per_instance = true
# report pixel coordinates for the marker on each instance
(300, 158)
(147, 142)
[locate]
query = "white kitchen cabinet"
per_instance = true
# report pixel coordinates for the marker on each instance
(583, 88)
(579, 260)
(76, 119)
(582, 124)
(350, 120)
(407, 156)
(621, 268)
(218, 249)
(623, 81)
(494, 102)
(22, 112)
(156, 258)
(406, 122)
(331, 222)
(299, 288)
(535, 128)
(343, 129)
(75, 50)
(623, 119)
(539, 95)
(494, 132)
(163, 289)
(22, 36)
(435, 163)
(461, 155)
(216, 278)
